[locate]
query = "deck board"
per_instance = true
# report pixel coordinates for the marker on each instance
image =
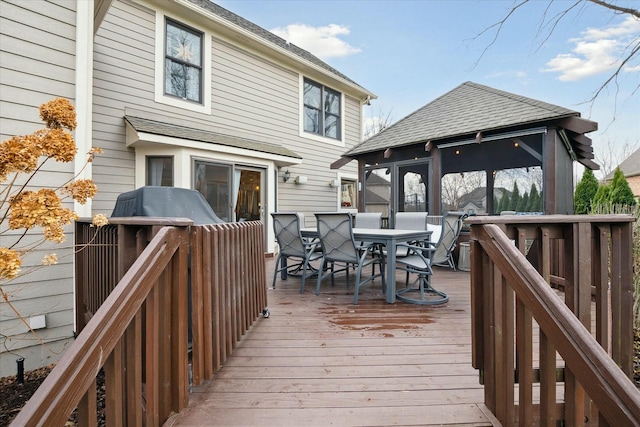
(322, 361)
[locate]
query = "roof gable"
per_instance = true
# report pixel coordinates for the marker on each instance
(629, 166)
(467, 109)
(274, 40)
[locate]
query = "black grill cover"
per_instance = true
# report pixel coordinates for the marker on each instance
(166, 202)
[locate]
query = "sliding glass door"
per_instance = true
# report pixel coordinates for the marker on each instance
(235, 193)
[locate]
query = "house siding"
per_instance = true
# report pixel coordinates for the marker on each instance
(37, 64)
(251, 96)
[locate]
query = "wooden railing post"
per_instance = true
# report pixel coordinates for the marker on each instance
(582, 271)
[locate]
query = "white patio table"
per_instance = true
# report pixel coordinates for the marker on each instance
(390, 238)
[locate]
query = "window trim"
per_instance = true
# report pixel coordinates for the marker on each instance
(349, 177)
(171, 22)
(160, 57)
(310, 135)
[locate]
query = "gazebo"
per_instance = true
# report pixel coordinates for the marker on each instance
(475, 128)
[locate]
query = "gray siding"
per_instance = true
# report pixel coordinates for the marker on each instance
(250, 95)
(37, 64)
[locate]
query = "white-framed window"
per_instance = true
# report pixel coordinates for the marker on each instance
(182, 65)
(347, 193)
(183, 62)
(160, 171)
(322, 111)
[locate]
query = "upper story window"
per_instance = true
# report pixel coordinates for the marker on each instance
(322, 110)
(183, 62)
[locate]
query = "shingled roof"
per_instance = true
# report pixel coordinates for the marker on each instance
(629, 166)
(465, 110)
(165, 129)
(271, 38)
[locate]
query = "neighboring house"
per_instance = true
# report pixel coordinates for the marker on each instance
(180, 93)
(630, 167)
(476, 200)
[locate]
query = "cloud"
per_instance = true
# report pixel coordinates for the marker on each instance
(324, 42)
(596, 51)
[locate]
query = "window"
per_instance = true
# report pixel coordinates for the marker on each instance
(322, 109)
(348, 194)
(183, 62)
(160, 171)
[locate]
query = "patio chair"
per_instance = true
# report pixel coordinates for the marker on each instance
(370, 220)
(451, 227)
(293, 247)
(335, 232)
(418, 261)
(410, 221)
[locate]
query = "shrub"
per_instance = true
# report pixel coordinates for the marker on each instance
(24, 209)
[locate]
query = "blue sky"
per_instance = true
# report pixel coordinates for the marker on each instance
(410, 52)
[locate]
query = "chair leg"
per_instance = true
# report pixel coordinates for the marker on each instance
(277, 270)
(304, 276)
(320, 276)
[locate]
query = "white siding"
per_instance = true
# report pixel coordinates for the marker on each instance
(37, 64)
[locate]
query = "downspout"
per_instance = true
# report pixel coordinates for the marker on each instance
(83, 95)
(83, 104)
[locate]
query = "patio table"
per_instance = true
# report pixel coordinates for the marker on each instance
(388, 237)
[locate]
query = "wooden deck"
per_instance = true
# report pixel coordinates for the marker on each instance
(322, 361)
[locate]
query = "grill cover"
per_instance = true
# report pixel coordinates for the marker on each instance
(169, 202)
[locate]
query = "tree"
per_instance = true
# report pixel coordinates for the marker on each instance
(25, 208)
(523, 204)
(621, 193)
(602, 196)
(454, 186)
(585, 192)
(534, 200)
(570, 11)
(612, 154)
(515, 197)
(378, 123)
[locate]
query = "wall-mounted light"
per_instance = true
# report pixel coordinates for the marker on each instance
(457, 152)
(515, 144)
(334, 183)
(286, 175)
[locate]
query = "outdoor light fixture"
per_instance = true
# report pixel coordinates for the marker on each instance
(286, 176)
(334, 183)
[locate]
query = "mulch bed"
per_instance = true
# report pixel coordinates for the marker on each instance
(13, 396)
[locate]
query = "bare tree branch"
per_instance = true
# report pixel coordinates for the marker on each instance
(499, 25)
(630, 53)
(624, 10)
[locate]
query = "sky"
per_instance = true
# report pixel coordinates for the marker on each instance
(409, 52)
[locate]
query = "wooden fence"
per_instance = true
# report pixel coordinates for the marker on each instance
(577, 370)
(139, 282)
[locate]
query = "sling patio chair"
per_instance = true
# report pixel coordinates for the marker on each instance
(372, 220)
(418, 261)
(293, 247)
(335, 232)
(410, 221)
(451, 227)
(421, 256)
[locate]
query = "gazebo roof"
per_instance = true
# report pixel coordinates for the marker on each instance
(471, 108)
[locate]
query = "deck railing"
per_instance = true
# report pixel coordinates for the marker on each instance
(580, 373)
(139, 281)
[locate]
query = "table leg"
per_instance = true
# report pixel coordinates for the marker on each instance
(391, 271)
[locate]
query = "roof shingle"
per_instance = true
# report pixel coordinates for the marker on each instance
(467, 109)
